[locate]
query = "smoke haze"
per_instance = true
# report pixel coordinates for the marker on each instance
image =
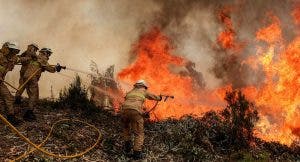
(79, 31)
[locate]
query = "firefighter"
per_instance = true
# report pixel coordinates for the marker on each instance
(33, 74)
(8, 59)
(133, 113)
(31, 52)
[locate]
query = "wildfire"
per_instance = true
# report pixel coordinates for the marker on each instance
(296, 14)
(272, 33)
(277, 98)
(227, 38)
(153, 61)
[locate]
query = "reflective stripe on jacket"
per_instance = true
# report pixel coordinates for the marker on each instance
(136, 98)
(2, 69)
(35, 63)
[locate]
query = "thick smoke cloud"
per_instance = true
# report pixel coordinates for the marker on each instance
(79, 31)
(194, 26)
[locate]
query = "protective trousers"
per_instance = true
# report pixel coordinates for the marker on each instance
(32, 89)
(133, 121)
(20, 91)
(6, 99)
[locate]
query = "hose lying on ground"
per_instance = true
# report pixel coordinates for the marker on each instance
(38, 147)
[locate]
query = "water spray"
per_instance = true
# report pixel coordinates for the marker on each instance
(118, 98)
(79, 71)
(92, 74)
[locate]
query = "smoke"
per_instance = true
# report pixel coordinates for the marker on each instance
(194, 26)
(77, 31)
(103, 31)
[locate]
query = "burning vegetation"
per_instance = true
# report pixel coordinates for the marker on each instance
(192, 129)
(217, 135)
(276, 62)
(253, 114)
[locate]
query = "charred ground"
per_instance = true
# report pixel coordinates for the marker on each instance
(216, 136)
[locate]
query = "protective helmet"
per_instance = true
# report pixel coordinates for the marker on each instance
(11, 46)
(34, 45)
(47, 50)
(141, 83)
(5, 44)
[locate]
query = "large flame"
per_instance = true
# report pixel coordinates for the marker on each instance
(277, 98)
(227, 38)
(153, 63)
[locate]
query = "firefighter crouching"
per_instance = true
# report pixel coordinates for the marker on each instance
(133, 117)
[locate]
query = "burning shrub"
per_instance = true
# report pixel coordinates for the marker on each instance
(190, 138)
(104, 88)
(240, 117)
(232, 128)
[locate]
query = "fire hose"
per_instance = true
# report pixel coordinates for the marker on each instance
(33, 74)
(21, 86)
(38, 147)
(30, 77)
(156, 103)
(8, 84)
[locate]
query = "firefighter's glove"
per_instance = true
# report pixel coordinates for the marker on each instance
(58, 67)
(43, 68)
(160, 97)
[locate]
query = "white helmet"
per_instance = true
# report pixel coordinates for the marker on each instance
(11, 46)
(141, 83)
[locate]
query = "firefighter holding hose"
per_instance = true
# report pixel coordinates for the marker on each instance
(133, 117)
(8, 60)
(32, 76)
(31, 52)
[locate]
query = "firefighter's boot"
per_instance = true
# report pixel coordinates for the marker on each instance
(18, 100)
(138, 155)
(127, 147)
(13, 120)
(29, 116)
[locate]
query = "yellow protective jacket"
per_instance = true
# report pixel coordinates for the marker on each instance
(135, 99)
(40, 64)
(7, 63)
(25, 64)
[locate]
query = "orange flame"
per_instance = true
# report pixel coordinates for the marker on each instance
(271, 33)
(227, 38)
(153, 62)
(296, 14)
(277, 98)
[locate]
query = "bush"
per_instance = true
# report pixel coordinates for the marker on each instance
(240, 117)
(75, 97)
